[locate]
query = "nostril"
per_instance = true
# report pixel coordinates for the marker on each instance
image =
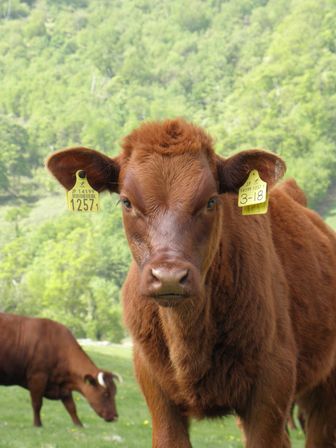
(156, 274)
(184, 277)
(168, 281)
(164, 276)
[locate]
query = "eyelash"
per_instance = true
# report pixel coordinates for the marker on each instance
(126, 203)
(211, 203)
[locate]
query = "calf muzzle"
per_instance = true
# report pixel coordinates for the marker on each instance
(169, 283)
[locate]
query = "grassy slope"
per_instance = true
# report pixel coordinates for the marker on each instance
(133, 430)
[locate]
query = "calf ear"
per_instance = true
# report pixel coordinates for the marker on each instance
(102, 172)
(233, 171)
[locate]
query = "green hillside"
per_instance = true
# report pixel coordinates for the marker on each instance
(254, 73)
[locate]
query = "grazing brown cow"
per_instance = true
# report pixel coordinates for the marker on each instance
(43, 356)
(229, 313)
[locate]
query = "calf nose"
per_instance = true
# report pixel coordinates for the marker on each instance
(169, 281)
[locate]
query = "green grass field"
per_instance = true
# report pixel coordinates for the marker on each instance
(133, 429)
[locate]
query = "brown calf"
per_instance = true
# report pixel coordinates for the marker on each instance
(229, 313)
(43, 356)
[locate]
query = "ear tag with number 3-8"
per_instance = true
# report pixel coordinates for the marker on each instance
(252, 196)
(82, 197)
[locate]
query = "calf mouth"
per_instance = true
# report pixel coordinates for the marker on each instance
(170, 299)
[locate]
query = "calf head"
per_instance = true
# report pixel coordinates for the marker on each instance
(100, 391)
(170, 183)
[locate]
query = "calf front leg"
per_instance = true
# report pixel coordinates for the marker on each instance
(265, 422)
(270, 434)
(170, 427)
(70, 406)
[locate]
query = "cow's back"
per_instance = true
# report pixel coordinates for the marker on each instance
(291, 188)
(28, 345)
(13, 357)
(306, 247)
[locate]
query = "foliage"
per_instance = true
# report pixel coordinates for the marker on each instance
(70, 269)
(87, 71)
(14, 156)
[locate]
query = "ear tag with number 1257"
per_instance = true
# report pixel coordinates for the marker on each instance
(252, 196)
(82, 197)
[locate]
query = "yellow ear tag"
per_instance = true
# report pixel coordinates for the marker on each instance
(256, 209)
(252, 196)
(82, 197)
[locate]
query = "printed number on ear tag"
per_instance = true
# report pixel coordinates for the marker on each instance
(252, 196)
(82, 197)
(256, 209)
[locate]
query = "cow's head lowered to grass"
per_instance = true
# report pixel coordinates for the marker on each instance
(169, 180)
(100, 391)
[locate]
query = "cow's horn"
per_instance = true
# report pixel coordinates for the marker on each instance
(100, 379)
(118, 377)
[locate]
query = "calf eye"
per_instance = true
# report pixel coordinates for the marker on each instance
(211, 203)
(126, 203)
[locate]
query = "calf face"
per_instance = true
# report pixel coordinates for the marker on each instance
(100, 391)
(170, 181)
(169, 204)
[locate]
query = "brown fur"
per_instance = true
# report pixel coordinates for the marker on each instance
(294, 191)
(171, 138)
(43, 356)
(229, 313)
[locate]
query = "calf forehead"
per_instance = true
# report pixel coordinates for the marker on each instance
(168, 137)
(170, 179)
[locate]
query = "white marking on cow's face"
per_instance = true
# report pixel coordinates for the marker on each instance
(100, 378)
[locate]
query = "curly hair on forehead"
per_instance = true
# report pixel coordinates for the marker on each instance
(169, 137)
